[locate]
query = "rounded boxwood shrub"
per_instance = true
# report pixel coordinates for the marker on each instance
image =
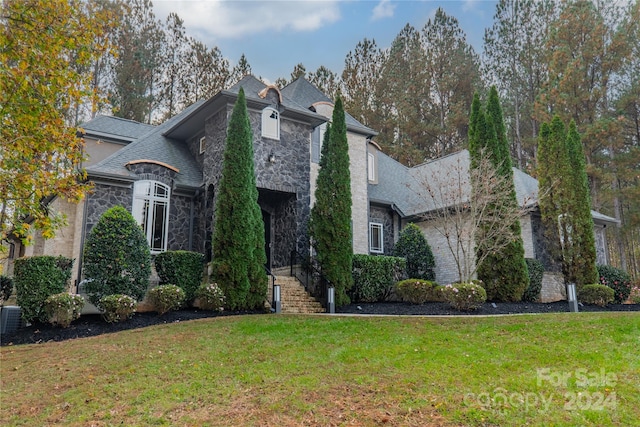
(596, 294)
(37, 278)
(182, 268)
(536, 271)
(464, 296)
(413, 246)
(209, 296)
(375, 276)
(418, 291)
(63, 308)
(117, 308)
(117, 258)
(165, 298)
(6, 288)
(616, 279)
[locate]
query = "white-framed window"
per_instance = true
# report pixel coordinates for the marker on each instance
(317, 137)
(270, 123)
(151, 210)
(203, 144)
(371, 167)
(376, 240)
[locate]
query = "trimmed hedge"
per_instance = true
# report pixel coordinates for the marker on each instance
(37, 278)
(181, 268)
(117, 258)
(617, 279)
(418, 291)
(413, 246)
(596, 294)
(536, 271)
(374, 277)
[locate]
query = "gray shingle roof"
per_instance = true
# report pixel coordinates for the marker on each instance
(302, 92)
(124, 129)
(154, 146)
(405, 187)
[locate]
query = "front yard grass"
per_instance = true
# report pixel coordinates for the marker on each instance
(279, 370)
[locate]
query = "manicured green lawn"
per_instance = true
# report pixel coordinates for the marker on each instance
(278, 370)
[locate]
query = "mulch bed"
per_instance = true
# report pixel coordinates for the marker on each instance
(92, 324)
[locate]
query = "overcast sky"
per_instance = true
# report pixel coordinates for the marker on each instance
(275, 35)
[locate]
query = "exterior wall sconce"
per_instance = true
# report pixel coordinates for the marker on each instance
(272, 158)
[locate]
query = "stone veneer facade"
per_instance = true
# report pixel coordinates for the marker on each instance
(283, 185)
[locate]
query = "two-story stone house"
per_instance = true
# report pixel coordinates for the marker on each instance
(167, 175)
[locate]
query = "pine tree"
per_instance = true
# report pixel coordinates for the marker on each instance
(330, 225)
(238, 238)
(504, 272)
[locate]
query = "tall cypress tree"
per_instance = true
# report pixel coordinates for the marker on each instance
(330, 225)
(504, 272)
(238, 238)
(564, 202)
(580, 255)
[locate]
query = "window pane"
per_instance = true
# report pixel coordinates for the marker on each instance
(161, 191)
(375, 236)
(157, 236)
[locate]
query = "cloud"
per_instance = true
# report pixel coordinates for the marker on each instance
(235, 19)
(384, 9)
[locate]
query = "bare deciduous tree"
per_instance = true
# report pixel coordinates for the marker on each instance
(459, 210)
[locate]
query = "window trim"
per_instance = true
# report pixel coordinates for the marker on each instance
(375, 249)
(267, 118)
(142, 201)
(203, 141)
(371, 167)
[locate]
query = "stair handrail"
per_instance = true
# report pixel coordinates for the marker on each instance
(307, 271)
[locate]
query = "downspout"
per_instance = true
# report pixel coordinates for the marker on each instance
(82, 239)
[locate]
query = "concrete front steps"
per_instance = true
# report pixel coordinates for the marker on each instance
(294, 299)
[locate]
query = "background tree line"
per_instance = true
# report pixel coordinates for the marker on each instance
(576, 59)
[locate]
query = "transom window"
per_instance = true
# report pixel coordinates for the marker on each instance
(151, 210)
(376, 241)
(270, 123)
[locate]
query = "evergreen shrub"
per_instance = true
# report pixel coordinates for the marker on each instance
(182, 268)
(37, 278)
(209, 296)
(536, 271)
(597, 294)
(617, 279)
(165, 298)
(63, 308)
(464, 296)
(418, 291)
(375, 276)
(413, 246)
(6, 288)
(117, 307)
(117, 257)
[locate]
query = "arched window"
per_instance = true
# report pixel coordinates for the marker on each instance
(270, 123)
(151, 210)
